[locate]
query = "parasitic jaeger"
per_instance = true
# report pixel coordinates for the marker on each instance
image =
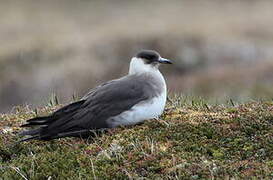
(131, 99)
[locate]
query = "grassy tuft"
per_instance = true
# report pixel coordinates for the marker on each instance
(193, 139)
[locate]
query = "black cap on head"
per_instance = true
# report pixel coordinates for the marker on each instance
(152, 57)
(149, 55)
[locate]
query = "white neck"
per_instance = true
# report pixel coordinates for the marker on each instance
(138, 66)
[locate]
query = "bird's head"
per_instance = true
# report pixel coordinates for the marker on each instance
(147, 60)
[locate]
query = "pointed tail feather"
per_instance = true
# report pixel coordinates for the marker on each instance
(34, 135)
(54, 126)
(79, 133)
(28, 139)
(39, 121)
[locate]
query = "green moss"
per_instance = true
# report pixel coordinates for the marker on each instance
(192, 140)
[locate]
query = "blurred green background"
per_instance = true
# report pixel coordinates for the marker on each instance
(221, 49)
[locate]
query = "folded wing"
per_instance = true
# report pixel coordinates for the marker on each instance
(90, 113)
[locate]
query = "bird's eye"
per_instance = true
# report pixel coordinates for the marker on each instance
(150, 60)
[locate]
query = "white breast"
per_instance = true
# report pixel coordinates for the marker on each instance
(151, 108)
(144, 110)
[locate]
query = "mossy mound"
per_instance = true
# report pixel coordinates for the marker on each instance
(192, 140)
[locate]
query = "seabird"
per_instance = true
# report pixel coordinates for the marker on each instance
(129, 100)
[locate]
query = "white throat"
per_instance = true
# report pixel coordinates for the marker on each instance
(147, 109)
(137, 66)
